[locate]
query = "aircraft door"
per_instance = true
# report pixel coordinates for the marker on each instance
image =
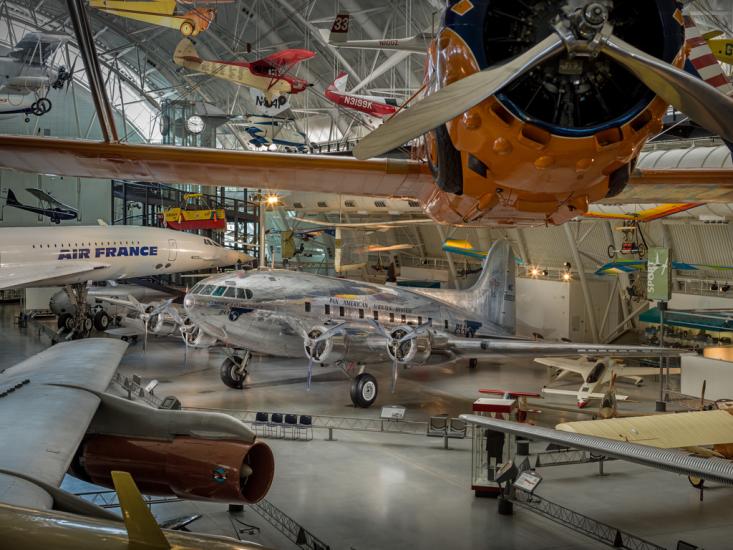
(172, 250)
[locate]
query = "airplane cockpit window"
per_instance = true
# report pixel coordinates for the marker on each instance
(240, 294)
(230, 292)
(196, 288)
(219, 291)
(208, 289)
(248, 293)
(595, 374)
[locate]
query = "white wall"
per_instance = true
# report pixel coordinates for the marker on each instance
(717, 374)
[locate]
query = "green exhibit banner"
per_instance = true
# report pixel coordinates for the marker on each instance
(659, 275)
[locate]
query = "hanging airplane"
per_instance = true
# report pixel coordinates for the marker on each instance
(378, 107)
(50, 206)
(163, 13)
(339, 322)
(596, 373)
(70, 256)
(269, 74)
(26, 74)
(528, 131)
(339, 38)
(56, 418)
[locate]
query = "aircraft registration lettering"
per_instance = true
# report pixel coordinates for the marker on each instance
(357, 102)
(107, 252)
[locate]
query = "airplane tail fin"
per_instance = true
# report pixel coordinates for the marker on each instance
(340, 83)
(142, 529)
(339, 30)
(493, 293)
(11, 200)
(185, 51)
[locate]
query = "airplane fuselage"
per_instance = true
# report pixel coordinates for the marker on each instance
(116, 252)
(268, 312)
(371, 105)
(34, 80)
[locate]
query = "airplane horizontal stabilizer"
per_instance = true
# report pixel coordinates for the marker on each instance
(554, 391)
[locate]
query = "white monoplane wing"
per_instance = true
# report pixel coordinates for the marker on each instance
(46, 405)
(20, 276)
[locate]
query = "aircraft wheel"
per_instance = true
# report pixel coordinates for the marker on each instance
(364, 390)
(230, 374)
(447, 168)
(696, 482)
(611, 251)
(66, 321)
(27, 119)
(43, 105)
(642, 250)
(101, 321)
(472, 363)
(187, 28)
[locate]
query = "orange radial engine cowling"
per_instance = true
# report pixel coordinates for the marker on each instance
(187, 467)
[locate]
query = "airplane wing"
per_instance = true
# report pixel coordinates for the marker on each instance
(647, 215)
(66, 157)
(581, 367)
(46, 405)
(285, 58)
(555, 391)
(671, 460)
(367, 225)
(19, 276)
(667, 431)
(37, 48)
(43, 196)
(629, 266)
(477, 347)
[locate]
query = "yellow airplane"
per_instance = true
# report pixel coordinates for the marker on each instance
(722, 48)
(162, 13)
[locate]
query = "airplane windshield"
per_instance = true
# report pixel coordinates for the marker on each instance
(207, 290)
(219, 291)
(595, 374)
(196, 288)
(230, 292)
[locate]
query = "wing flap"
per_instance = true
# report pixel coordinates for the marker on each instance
(692, 429)
(48, 411)
(27, 275)
(477, 347)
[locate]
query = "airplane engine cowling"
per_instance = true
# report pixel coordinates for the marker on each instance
(162, 325)
(197, 338)
(414, 351)
(186, 467)
(351, 344)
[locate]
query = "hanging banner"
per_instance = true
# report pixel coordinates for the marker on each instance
(659, 275)
(264, 106)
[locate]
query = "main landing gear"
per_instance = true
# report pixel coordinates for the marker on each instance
(364, 390)
(233, 370)
(79, 324)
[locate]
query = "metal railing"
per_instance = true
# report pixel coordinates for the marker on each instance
(580, 523)
(286, 525)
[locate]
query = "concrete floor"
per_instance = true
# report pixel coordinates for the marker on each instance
(372, 490)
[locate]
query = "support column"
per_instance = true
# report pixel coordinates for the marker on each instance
(261, 233)
(623, 277)
(451, 265)
(583, 282)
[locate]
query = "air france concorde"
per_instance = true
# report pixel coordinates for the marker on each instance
(50, 256)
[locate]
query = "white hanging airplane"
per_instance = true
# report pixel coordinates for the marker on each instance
(339, 38)
(70, 256)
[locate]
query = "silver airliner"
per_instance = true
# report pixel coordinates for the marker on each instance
(348, 323)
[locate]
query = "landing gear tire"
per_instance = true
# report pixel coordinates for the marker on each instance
(231, 374)
(364, 390)
(696, 482)
(472, 363)
(611, 251)
(101, 321)
(43, 105)
(447, 167)
(66, 321)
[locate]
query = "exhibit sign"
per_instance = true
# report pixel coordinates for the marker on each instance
(659, 275)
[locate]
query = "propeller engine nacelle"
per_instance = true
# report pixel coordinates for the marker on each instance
(162, 325)
(409, 346)
(197, 338)
(187, 467)
(357, 344)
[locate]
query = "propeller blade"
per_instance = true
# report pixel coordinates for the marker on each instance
(701, 102)
(310, 374)
(395, 372)
(380, 329)
(702, 395)
(453, 100)
(145, 337)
